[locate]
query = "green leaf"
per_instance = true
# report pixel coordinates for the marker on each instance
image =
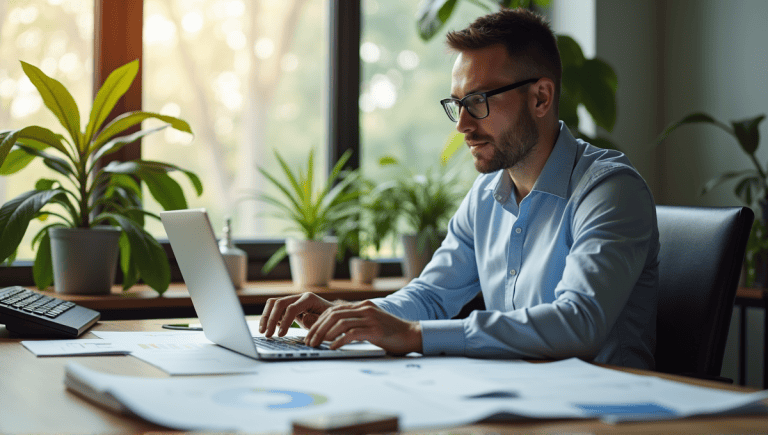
(43, 231)
(282, 188)
(164, 189)
(18, 159)
(297, 188)
(568, 107)
(45, 184)
(6, 143)
(273, 261)
(716, 181)
(57, 164)
(149, 257)
(388, 161)
(693, 118)
(339, 166)
(119, 142)
(570, 52)
(432, 16)
(744, 189)
(598, 86)
(748, 133)
(32, 134)
(127, 182)
(42, 270)
(16, 214)
(130, 273)
(128, 120)
(138, 167)
(58, 100)
(114, 87)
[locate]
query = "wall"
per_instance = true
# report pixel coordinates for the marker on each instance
(675, 57)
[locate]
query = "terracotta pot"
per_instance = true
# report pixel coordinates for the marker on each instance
(363, 271)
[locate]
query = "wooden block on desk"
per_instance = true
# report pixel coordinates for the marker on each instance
(360, 422)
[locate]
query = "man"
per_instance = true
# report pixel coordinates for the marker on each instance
(559, 236)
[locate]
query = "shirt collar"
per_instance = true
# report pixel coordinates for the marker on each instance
(554, 177)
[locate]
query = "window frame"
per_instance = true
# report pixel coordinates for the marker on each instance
(118, 39)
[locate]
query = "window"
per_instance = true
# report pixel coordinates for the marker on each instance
(249, 77)
(403, 81)
(57, 37)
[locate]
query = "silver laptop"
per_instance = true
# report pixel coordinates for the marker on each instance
(216, 303)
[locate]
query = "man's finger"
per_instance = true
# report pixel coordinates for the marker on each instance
(277, 313)
(343, 326)
(353, 334)
(318, 332)
(265, 315)
(291, 312)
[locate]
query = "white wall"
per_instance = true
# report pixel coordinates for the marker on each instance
(675, 57)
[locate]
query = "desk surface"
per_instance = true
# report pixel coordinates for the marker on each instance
(33, 398)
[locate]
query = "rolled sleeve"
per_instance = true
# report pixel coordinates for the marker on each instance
(442, 337)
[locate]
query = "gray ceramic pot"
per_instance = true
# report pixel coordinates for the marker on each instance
(84, 260)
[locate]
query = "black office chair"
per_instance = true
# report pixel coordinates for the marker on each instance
(702, 250)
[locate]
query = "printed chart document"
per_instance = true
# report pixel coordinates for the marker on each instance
(82, 347)
(186, 352)
(418, 390)
(181, 352)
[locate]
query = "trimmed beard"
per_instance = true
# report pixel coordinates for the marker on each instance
(514, 145)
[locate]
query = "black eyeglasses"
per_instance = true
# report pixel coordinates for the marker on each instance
(477, 104)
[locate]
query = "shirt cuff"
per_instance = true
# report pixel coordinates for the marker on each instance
(442, 337)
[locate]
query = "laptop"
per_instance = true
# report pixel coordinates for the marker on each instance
(216, 303)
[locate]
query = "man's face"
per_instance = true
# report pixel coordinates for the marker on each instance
(509, 134)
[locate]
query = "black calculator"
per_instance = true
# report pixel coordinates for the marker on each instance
(26, 313)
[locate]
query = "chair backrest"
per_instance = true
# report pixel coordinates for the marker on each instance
(700, 259)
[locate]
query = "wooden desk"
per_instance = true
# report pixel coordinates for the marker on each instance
(33, 399)
(141, 302)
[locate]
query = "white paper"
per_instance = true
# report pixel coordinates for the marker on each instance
(81, 347)
(187, 352)
(424, 392)
(265, 403)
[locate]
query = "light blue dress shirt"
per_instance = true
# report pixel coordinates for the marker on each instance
(571, 271)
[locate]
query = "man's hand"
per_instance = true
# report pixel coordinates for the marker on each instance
(305, 308)
(345, 323)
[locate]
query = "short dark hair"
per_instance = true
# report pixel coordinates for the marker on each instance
(527, 37)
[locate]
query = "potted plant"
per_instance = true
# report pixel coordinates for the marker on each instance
(423, 204)
(751, 186)
(314, 213)
(92, 204)
(373, 224)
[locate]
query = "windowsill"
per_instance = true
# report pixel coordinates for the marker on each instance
(141, 302)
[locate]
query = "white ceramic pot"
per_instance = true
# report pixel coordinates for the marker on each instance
(312, 261)
(363, 271)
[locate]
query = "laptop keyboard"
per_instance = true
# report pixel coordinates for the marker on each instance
(287, 344)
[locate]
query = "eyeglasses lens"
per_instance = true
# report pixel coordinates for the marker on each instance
(476, 106)
(452, 108)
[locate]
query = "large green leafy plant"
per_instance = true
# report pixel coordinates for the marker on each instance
(82, 195)
(751, 185)
(590, 83)
(314, 212)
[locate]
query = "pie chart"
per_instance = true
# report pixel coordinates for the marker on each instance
(254, 398)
